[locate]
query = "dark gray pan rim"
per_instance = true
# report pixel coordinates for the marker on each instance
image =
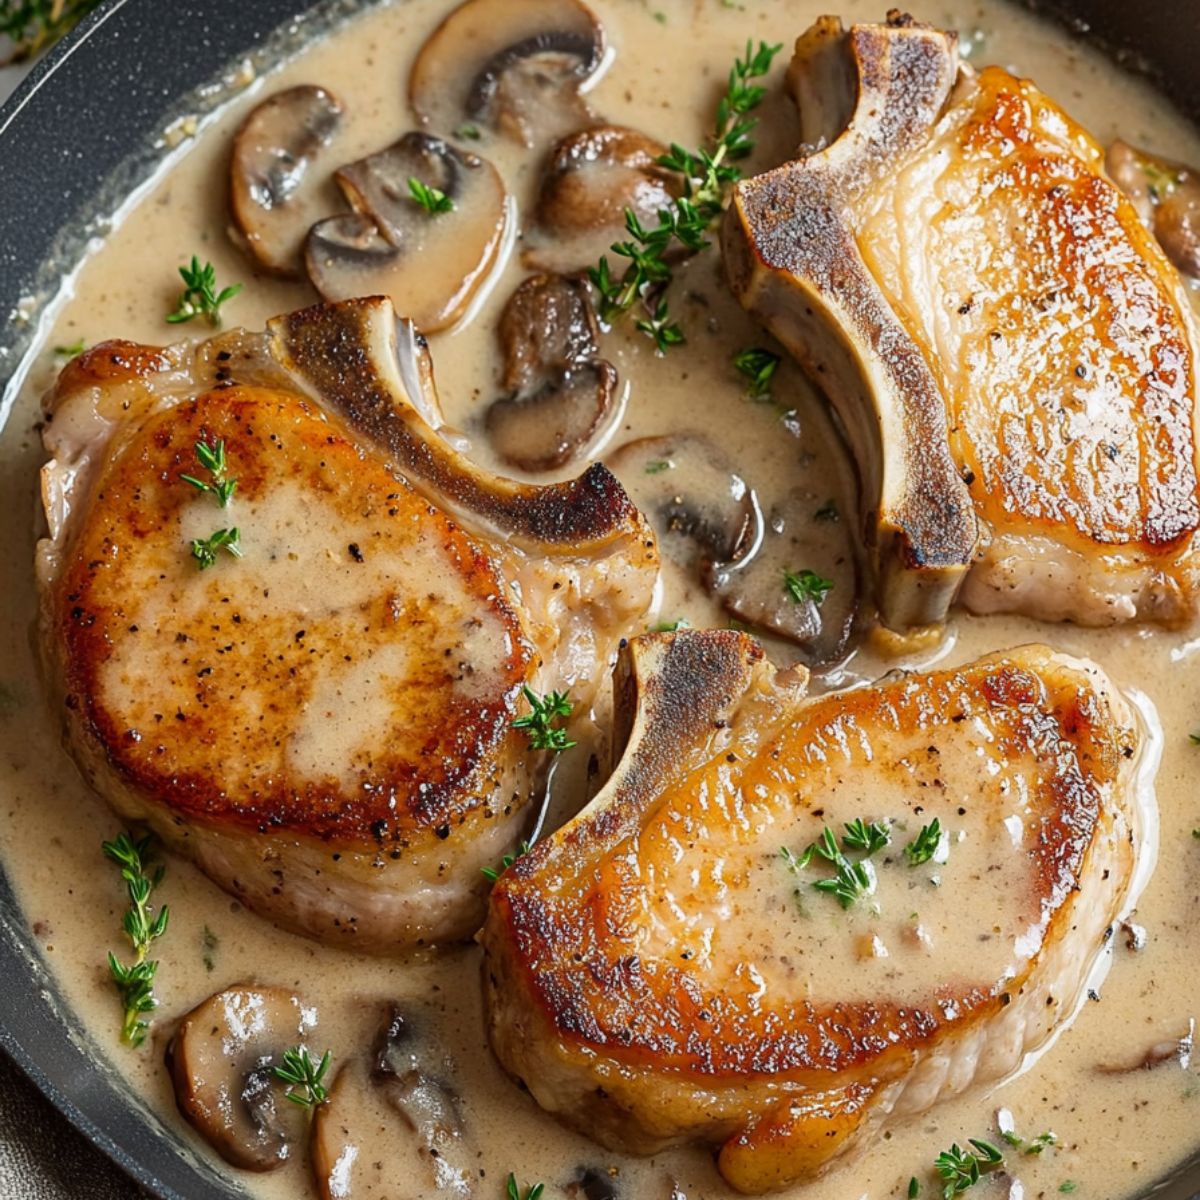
(77, 136)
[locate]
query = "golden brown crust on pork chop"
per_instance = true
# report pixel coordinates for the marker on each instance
(234, 668)
(656, 971)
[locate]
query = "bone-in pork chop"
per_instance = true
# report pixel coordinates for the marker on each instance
(323, 719)
(677, 964)
(1011, 354)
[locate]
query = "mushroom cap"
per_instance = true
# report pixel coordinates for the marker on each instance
(275, 191)
(391, 1129)
(431, 265)
(1167, 197)
(708, 520)
(561, 394)
(594, 175)
(699, 504)
(220, 1061)
(515, 66)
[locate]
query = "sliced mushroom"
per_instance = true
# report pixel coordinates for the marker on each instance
(430, 264)
(393, 1123)
(561, 395)
(708, 519)
(1167, 195)
(593, 177)
(220, 1061)
(701, 508)
(276, 191)
(515, 66)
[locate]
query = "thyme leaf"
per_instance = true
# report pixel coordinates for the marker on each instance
(539, 721)
(200, 297)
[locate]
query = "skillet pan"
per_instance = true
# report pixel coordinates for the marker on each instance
(75, 139)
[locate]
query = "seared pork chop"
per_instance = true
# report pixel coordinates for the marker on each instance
(1011, 354)
(325, 722)
(676, 964)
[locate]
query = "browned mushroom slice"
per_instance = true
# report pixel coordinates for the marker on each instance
(708, 520)
(702, 510)
(516, 66)
(394, 1124)
(275, 191)
(221, 1059)
(431, 265)
(802, 583)
(594, 176)
(561, 394)
(1167, 196)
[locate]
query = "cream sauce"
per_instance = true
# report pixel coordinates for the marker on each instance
(1116, 1133)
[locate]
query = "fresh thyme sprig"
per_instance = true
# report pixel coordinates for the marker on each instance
(206, 550)
(135, 981)
(852, 880)
(200, 297)
(925, 845)
(539, 721)
(212, 459)
(304, 1076)
(494, 873)
(513, 1192)
(806, 585)
(961, 1169)
(432, 200)
(759, 367)
(33, 25)
(707, 174)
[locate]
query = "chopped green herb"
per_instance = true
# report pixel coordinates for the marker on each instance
(924, 846)
(469, 132)
(206, 550)
(658, 326)
(806, 585)
(658, 466)
(707, 176)
(759, 367)
(671, 626)
(494, 873)
(432, 200)
(851, 881)
(914, 1188)
(660, 17)
(200, 297)
(868, 838)
(543, 733)
(1160, 179)
(135, 982)
(212, 459)
(828, 511)
(512, 1192)
(304, 1075)
(72, 350)
(1068, 1185)
(961, 1169)
(1194, 738)
(1035, 1145)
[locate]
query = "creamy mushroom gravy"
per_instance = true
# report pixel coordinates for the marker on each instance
(1117, 1132)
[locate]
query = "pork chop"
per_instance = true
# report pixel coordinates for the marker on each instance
(676, 964)
(324, 722)
(1010, 352)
